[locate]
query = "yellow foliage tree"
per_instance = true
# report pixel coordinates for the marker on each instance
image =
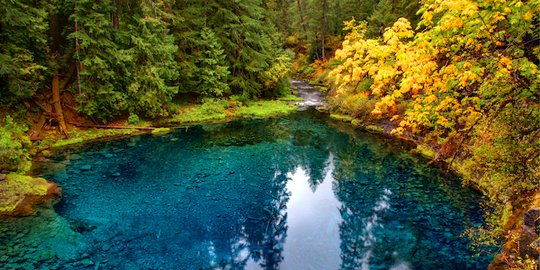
(468, 82)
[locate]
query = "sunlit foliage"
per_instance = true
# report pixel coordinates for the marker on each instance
(468, 82)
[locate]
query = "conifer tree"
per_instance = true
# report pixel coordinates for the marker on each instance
(212, 72)
(152, 69)
(23, 46)
(249, 40)
(128, 63)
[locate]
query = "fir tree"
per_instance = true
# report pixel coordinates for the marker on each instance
(212, 72)
(23, 47)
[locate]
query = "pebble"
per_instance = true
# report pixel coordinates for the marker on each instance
(86, 167)
(86, 262)
(106, 247)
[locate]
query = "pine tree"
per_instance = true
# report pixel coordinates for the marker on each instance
(249, 40)
(152, 69)
(101, 59)
(212, 72)
(128, 62)
(23, 46)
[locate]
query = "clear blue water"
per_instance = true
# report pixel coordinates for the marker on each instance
(299, 192)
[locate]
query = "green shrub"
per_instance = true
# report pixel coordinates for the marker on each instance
(14, 146)
(239, 100)
(133, 119)
(214, 106)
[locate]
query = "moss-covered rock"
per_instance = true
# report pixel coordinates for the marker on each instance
(20, 195)
(161, 130)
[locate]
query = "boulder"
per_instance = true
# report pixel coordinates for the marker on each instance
(529, 238)
(532, 218)
(20, 195)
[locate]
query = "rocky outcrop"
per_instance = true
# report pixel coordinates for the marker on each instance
(21, 195)
(525, 244)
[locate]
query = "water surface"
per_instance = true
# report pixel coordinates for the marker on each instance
(298, 192)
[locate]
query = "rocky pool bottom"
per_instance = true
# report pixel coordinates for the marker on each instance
(299, 192)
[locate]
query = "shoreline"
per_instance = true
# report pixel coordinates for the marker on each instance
(18, 192)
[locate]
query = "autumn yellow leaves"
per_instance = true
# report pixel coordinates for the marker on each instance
(450, 72)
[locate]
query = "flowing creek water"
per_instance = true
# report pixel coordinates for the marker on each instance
(296, 192)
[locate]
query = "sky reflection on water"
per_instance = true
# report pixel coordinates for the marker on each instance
(299, 192)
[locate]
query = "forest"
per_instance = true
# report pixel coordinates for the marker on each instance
(460, 79)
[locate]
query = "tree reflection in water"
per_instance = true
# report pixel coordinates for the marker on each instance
(299, 192)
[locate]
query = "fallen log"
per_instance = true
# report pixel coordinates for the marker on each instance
(112, 126)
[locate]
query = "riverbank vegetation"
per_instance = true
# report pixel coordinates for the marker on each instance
(460, 78)
(69, 64)
(464, 84)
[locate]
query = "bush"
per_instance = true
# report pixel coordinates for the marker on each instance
(214, 106)
(133, 119)
(14, 146)
(239, 100)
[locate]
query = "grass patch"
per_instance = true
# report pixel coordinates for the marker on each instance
(221, 110)
(195, 114)
(79, 136)
(265, 108)
(291, 97)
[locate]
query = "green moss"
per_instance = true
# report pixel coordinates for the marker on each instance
(16, 187)
(356, 122)
(375, 129)
(195, 114)
(161, 130)
(80, 136)
(265, 108)
(291, 97)
(69, 141)
(425, 151)
(341, 117)
(216, 111)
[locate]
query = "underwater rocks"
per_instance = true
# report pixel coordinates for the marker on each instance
(20, 195)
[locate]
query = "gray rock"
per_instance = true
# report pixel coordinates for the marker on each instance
(532, 217)
(86, 167)
(2, 177)
(87, 262)
(526, 238)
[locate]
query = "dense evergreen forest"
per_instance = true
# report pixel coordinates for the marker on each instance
(459, 78)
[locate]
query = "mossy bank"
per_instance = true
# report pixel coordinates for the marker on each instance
(20, 195)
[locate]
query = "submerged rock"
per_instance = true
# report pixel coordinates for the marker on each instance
(86, 167)
(22, 194)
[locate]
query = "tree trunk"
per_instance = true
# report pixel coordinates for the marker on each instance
(57, 105)
(115, 21)
(77, 56)
(323, 26)
(302, 22)
(113, 126)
